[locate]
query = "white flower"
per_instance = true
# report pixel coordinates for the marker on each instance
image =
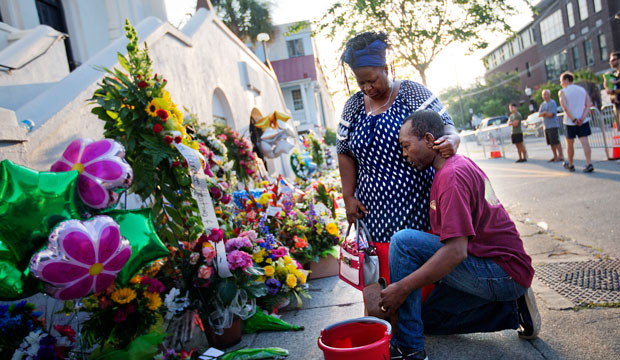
(18, 355)
(171, 302)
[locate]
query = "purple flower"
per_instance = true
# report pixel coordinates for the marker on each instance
(238, 259)
(237, 243)
(154, 285)
(273, 286)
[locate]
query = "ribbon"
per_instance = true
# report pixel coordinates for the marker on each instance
(222, 317)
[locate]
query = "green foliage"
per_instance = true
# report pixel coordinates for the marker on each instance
(330, 137)
(316, 150)
(419, 30)
(246, 18)
(488, 98)
(553, 87)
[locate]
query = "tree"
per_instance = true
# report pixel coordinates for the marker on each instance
(420, 29)
(489, 98)
(246, 18)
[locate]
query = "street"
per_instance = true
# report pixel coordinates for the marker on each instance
(577, 206)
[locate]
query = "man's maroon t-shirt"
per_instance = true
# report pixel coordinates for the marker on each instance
(463, 203)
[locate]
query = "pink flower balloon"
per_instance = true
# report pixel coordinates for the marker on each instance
(81, 257)
(102, 169)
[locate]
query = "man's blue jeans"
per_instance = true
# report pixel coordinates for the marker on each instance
(477, 296)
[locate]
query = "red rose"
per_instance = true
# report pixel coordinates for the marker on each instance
(175, 164)
(163, 114)
(168, 139)
(157, 128)
(143, 84)
(177, 139)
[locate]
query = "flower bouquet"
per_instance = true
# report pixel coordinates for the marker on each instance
(16, 322)
(239, 150)
(118, 316)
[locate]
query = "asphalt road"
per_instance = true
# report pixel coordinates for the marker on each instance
(579, 206)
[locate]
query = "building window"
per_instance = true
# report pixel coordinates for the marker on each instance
(556, 65)
(551, 27)
(597, 6)
(570, 14)
(583, 9)
(576, 62)
(587, 49)
(602, 46)
(526, 38)
(295, 47)
(298, 102)
(502, 57)
(527, 67)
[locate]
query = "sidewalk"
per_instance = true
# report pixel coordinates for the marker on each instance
(566, 333)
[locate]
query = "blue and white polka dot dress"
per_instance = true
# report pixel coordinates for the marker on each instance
(394, 193)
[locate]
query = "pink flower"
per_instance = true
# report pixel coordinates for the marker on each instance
(237, 243)
(250, 234)
(225, 199)
(279, 252)
(122, 313)
(215, 192)
(208, 253)
(81, 257)
(194, 257)
(222, 137)
(102, 169)
(207, 170)
(239, 260)
(216, 235)
(154, 285)
(205, 272)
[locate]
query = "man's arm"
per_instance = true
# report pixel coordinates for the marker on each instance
(567, 113)
(586, 110)
(439, 265)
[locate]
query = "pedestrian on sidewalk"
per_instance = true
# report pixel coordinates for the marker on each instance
(576, 104)
(613, 86)
(515, 120)
(549, 112)
(477, 258)
(378, 184)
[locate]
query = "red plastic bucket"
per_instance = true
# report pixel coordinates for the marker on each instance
(365, 338)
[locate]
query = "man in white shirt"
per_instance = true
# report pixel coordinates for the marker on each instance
(576, 104)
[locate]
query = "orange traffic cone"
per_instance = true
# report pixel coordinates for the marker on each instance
(495, 150)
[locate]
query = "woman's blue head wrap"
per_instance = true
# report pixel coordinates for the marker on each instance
(371, 55)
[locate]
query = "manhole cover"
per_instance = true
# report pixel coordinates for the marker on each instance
(594, 281)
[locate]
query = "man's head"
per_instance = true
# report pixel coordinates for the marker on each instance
(417, 137)
(513, 108)
(566, 79)
(614, 60)
(546, 95)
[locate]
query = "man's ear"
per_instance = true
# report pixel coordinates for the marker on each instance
(429, 140)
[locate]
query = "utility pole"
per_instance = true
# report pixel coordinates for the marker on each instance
(461, 103)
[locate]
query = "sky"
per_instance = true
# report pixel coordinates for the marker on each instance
(451, 66)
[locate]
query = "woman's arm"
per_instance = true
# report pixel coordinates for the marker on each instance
(449, 143)
(348, 176)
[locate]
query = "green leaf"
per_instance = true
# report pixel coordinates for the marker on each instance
(226, 291)
(253, 270)
(256, 290)
(123, 61)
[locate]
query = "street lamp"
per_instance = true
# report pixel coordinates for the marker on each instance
(264, 37)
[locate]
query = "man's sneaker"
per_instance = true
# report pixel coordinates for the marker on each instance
(588, 168)
(399, 353)
(529, 317)
(569, 168)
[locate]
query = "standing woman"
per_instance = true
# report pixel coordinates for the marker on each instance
(378, 184)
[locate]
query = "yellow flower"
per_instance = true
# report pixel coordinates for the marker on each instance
(291, 268)
(269, 261)
(264, 183)
(154, 300)
(152, 108)
(135, 280)
(261, 278)
(264, 199)
(332, 229)
(302, 278)
(291, 281)
(269, 270)
(162, 103)
(123, 296)
(287, 259)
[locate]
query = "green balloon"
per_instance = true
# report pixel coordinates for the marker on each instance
(32, 203)
(146, 246)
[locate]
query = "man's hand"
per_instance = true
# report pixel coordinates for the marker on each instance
(355, 209)
(392, 297)
(447, 145)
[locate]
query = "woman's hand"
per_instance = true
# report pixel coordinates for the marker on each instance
(392, 297)
(447, 145)
(355, 209)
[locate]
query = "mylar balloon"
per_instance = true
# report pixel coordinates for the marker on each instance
(81, 257)
(102, 167)
(283, 146)
(31, 204)
(137, 227)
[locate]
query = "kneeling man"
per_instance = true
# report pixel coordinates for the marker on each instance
(482, 272)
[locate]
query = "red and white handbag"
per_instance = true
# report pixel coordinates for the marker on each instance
(359, 263)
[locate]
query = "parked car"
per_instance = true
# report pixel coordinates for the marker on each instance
(533, 125)
(496, 126)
